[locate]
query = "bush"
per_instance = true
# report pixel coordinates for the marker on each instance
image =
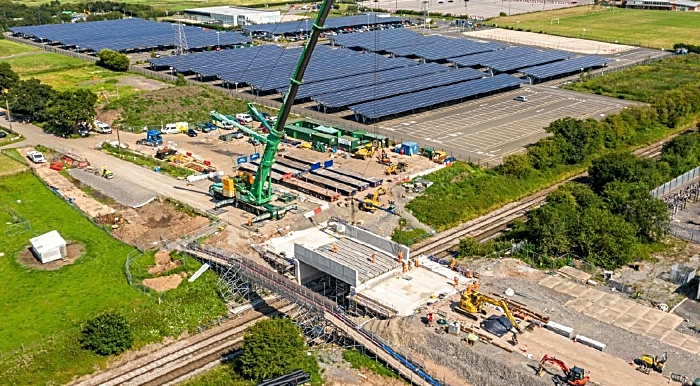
(106, 334)
(502, 14)
(113, 60)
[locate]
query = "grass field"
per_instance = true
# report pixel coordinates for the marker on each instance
(43, 310)
(9, 166)
(655, 29)
(645, 82)
(8, 48)
(64, 72)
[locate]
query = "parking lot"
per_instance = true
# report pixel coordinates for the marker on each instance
(488, 129)
(481, 9)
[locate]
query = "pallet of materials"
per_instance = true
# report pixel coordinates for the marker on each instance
(360, 185)
(312, 190)
(323, 182)
(372, 181)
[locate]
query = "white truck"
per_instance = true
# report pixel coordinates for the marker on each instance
(101, 127)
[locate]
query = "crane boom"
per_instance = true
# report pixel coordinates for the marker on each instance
(260, 192)
(222, 118)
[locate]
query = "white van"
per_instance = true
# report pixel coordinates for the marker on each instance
(174, 128)
(223, 125)
(101, 127)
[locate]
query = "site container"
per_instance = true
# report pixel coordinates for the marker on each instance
(326, 139)
(299, 133)
(328, 130)
(359, 134)
(348, 143)
(382, 139)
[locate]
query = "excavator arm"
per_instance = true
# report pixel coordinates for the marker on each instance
(257, 116)
(500, 303)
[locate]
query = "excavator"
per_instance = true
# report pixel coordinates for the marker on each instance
(574, 376)
(371, 202)
(257, 197)
(472, 303)
(396, 168)
(649, 362)
(367, 151)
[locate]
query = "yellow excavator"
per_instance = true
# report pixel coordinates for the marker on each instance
(371, 202)
(396, 168)
(472, 303)
(365, 152)
(650, 362)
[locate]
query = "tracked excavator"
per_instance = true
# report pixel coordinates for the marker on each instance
(371, 202)
(257, 196)
(472, 303)
(652, 362)
(574, 376)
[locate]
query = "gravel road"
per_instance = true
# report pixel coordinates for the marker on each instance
(117, 188)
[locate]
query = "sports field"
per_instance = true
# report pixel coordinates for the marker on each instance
(655, 29)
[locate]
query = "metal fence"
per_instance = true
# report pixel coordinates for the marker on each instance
(691, 235)
(676, 182)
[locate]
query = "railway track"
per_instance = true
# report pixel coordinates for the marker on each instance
(181, 360)
(493, 223)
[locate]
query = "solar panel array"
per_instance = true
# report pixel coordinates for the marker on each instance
(565, 67)
(308, 90)
(444, 48)
(296, 26)
(207, 63)
(478, 60)
(435, 96)
(126, 34)
(350, 97)
(381, 40)
(518, 62)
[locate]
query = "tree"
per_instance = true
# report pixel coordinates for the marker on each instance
(625, 167)
(106, 334)
(68, 109)
(604, 239)
(113, 60)
(633, 202)
(516, 165)
(576, 138)
(30, 97)
(552, 226)
(272, 348)
(8, 78)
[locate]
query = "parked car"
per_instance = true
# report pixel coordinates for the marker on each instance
(84, 133)
(3, 134)
(101, 127)
(231, 136)
(245, 118)
(521, 98)
(36, 157)
(191, 133)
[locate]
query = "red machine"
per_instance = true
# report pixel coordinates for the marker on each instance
(430, 319)
(575, 376)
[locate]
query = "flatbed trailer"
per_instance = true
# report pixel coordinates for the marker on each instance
(312, 190)
(341, 188)
(373, 181)
(293, 164)
(360, 185)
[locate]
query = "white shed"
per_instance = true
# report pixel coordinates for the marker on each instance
(49, 247)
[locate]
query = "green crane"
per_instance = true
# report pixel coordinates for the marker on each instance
(256, 197)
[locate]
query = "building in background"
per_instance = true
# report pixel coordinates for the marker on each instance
(664, 5)
(232, 16)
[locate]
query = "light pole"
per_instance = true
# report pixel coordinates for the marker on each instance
(218, 41)
(509, 4)
(236, 84)
(172, 71)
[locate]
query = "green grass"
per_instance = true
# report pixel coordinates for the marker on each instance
(408, 237)
(359, 361)
(65, 72)
(187, 103)
(645, 82)
(223, 375)
(9, 166)
(148, 162)
(8, 48)
(43, 310)
(627, 26)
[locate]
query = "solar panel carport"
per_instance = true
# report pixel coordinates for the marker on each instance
(308, 90)
(477, 60)
(381, 40)
(444, 48)
(434, 96)
(125, 35)
(296, 26)
(563, 68)
(201, 62)
(405, 86)
(518, 62)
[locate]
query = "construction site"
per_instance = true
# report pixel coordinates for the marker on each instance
(296, 218)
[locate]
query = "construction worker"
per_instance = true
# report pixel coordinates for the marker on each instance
(456, 281)
(469, 287)
(471, 339)
(410, 265)
(374, 257)
(250, 222)
(403, 265)
(469, 273)
(452, 263)
(417, 263)
(476, 286)
(400, 257)
(335, 248)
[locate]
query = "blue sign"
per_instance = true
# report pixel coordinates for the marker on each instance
(254, 156)
(241, 160)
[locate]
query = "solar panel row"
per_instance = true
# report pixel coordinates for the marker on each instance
(381, 40)
(351, 97)
(444, 48)
(434, 96)
(126, 34)
(212, 59)
(308, 90)
(518, 62)
(297, 26)
(479, 59)
(328, 69)
(565, 67)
